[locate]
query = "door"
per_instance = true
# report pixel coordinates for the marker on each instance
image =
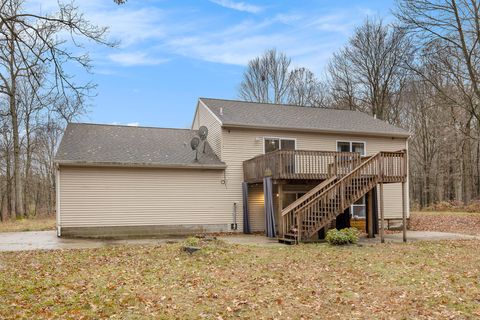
(290, 197)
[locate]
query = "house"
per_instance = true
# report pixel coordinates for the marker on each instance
(289, 171)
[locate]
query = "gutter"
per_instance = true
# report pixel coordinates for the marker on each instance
(140, 165)
(358, 133)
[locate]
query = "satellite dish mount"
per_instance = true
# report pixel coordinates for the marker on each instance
(194, 143)
(203, 133)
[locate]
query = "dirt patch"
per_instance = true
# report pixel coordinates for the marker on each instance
(31, 224)
(457, 222)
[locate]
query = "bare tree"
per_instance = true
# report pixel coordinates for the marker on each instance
(306, 90)
(267, 78)
(446, 35)
(341, 82)
(34, 49)
(370, 72)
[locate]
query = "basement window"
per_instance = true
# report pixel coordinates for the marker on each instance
(359, 209)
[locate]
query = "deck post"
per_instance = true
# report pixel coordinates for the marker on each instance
(404, 213)
(382, 214)
(370, 213)
(279, 208)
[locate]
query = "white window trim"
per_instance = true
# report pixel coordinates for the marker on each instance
(279, 143)
(353, 141)
(358, 205)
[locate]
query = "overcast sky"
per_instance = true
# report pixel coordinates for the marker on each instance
(172, 52)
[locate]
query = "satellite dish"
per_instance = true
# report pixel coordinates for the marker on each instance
(203, 132)
(194, 144)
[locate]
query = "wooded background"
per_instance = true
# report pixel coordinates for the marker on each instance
(37, 98)
(420, 71)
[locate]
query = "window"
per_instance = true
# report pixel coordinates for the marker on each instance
(359, 209)
(343, 146)
(351, 146)
(272, 144)
(287, 144)
(358, 147)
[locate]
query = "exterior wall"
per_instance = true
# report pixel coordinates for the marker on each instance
(392, 200)
(204, 117)
(116, 197)
(242, 144)
(256, 210)
(191, 200)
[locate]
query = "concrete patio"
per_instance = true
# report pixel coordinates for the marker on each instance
(47, 240)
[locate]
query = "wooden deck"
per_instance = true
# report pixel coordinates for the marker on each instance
(319, 165)
(344, 177)
(299, 165)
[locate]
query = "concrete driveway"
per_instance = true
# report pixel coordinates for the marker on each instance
(421, 236)
(47, 240)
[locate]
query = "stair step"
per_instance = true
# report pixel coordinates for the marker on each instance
(290, 235)
(287, 241)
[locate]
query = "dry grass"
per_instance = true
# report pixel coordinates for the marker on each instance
(34, 224)
(458, 222)
(419, 280)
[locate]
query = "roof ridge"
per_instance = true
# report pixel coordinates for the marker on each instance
(278, 104)
(126, 125)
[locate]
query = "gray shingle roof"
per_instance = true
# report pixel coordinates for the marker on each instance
(278, 116)
(97, 144)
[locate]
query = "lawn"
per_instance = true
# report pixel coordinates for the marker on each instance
(458, 222)
(415, 280)
(32, 224)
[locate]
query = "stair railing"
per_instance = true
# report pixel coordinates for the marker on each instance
(309, 214)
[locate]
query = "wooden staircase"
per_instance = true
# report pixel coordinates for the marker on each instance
(320, 206)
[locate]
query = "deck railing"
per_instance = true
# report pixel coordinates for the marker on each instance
(317, 208)
(300, 164)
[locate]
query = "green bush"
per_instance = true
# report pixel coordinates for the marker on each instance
(342, 237)
(192, 242)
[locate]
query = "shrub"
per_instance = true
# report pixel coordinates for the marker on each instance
(342, 237)
(192, 242)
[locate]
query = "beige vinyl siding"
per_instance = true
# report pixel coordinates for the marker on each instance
(242, 144)
(392, 200)
(141, 196)
(204, 117)
(256, 210)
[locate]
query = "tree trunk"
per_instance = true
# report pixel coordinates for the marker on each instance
(17, 176)
(28, 161)
(10, 193)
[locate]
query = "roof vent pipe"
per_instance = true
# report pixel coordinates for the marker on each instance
(374, 116)
(221, 111)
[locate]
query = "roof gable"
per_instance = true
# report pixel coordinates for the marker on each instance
(234, 113)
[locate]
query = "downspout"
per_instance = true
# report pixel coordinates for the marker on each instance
(234, 224)
(57, 198)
